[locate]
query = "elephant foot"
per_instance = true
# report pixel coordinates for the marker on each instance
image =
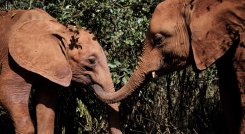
(242, 126)
(28, 129)
(46, 132)
(115, 131)
(21, 118)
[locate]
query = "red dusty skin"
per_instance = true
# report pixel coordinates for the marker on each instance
(138, 77)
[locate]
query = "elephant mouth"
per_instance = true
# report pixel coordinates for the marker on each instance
(83, 79)
(97, 87)
(86, 80)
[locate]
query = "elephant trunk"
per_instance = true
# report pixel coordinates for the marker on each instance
(134, 82)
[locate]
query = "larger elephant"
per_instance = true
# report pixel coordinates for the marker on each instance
(201, 33)
(37, 51)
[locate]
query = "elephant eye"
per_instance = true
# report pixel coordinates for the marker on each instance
(158, 39)
(92, 60)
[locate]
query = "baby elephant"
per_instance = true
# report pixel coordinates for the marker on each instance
(37, 51)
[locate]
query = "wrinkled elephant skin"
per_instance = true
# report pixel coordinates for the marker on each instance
(37, 51)
(201, 33)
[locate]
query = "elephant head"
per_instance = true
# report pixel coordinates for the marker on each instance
(182, 32)
(59, 53)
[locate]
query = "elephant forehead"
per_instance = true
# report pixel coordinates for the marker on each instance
(165, 27)
(161, 24)
(86, 38)
(164, 18)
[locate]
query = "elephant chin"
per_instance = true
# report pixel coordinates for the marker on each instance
(97, 87)
(98, 90)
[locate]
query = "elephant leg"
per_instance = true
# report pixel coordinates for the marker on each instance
(239, 66)
(114, 117)
(229, 92)
(14, 95)
(46, 99)
(114, 121)
(242, 129)
(231, 106)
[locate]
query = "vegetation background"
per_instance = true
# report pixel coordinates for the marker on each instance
(183, 102)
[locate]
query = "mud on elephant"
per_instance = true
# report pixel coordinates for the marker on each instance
(201, 33)
(37, 51)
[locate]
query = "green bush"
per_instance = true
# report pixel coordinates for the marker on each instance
(181, 102)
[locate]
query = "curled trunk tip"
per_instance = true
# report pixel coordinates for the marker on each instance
(137, 78)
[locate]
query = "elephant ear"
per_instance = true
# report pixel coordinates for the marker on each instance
(38, 47)
(214, 29)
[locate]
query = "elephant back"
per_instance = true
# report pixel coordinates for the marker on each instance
(21, 16)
